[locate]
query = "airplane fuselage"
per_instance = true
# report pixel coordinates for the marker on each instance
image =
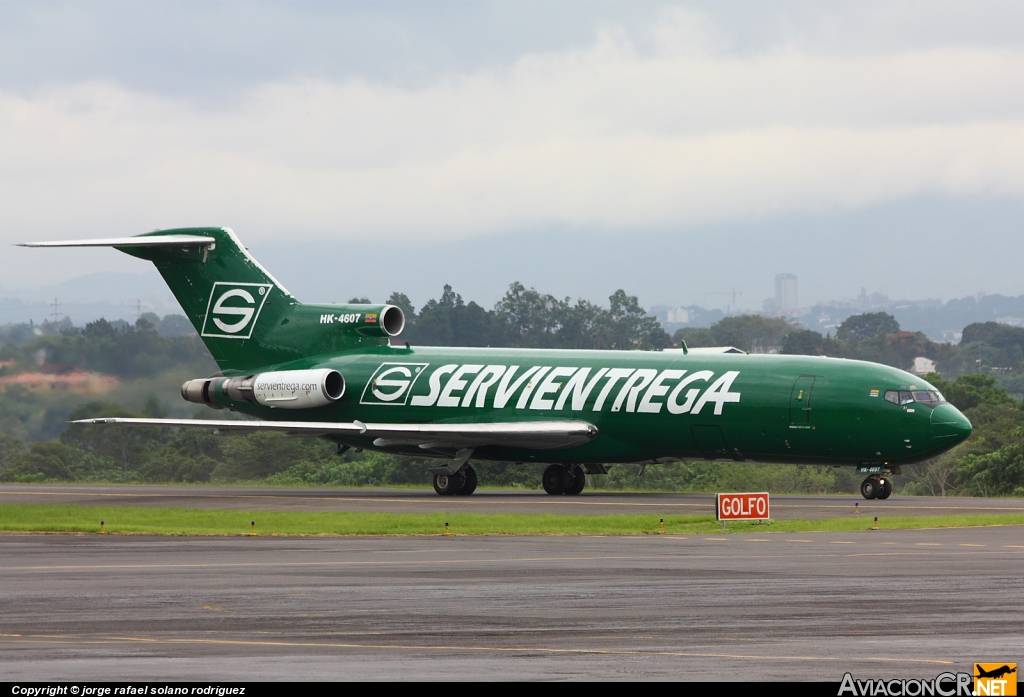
(647, 405)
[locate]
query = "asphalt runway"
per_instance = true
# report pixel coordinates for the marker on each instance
(775, 606)
(483, 501)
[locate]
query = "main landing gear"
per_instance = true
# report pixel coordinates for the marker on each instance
(462, 483)
(876, 488)
(562, 479)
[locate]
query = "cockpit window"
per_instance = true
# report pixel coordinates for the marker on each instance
(929, 398)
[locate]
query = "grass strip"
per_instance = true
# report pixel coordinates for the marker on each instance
(191, 521)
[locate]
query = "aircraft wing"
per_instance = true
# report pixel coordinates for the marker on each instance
(531, 435)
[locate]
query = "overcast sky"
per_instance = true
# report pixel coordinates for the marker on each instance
(674, 150)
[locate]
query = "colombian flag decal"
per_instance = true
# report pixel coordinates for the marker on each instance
(371, 317)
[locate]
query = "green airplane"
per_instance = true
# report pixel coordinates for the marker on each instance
(332, 371)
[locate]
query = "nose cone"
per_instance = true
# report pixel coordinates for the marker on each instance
(949, 427)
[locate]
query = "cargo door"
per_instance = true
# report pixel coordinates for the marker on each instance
(710, 441)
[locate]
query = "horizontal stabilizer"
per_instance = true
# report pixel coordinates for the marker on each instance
(531, 435)
(144, 241)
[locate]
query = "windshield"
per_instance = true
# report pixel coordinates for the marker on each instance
(929, 398)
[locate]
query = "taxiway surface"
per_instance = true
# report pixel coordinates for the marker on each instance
(483, 501)
(909, 603)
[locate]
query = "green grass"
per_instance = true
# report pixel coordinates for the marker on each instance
(190, 521)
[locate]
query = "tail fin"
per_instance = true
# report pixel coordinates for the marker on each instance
(244, 315)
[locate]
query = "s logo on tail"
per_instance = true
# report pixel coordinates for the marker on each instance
(234, 309)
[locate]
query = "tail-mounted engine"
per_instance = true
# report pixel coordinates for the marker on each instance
(284, 389)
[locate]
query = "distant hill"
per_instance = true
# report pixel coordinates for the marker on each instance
(110, 295)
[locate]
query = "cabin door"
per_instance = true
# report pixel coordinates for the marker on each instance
(800, 402)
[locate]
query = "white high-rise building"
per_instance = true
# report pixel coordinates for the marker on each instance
(785, 294)
(678, 315)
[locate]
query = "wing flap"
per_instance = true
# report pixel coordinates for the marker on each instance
(531, 435)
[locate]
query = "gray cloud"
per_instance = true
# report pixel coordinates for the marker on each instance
(432, 125)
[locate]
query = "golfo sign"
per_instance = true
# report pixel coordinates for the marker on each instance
(742, 506)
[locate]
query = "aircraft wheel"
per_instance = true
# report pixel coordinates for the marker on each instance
(869, 488)
(885, 490)
(447, 484)
(579, 481)
(468, 482)
(555, 480)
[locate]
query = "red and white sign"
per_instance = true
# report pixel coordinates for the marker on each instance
(743, 506)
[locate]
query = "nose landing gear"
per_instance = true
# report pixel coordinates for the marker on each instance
(876, 488)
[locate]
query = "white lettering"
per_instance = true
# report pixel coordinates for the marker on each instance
(719, 393)
(847, 685)
(455, 383)
(481, 384)
(638, 381)
(528, 390)
(503, 392)
(435, 387)
(613, 376)
(673, 405)
(579, 392)
(549, 385)
(657, 390)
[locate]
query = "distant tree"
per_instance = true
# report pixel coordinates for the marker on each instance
(175, 325)
(751, 332)
(50, 460)
(100, 329)
(144, 325)
(435, 325)
(898, 350)
(359, 301)
(628, 326)
(473, 326)
(803, 342)
(451, 322)
(580, 326)
(128, 448)
(971, 391)
(998, 473)
(867, 325)
(694, 337)
(994, 345)
(9, 448)
(525, 318)
(993, 333)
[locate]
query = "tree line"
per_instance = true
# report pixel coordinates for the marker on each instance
(981, 375)
(525, 318)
